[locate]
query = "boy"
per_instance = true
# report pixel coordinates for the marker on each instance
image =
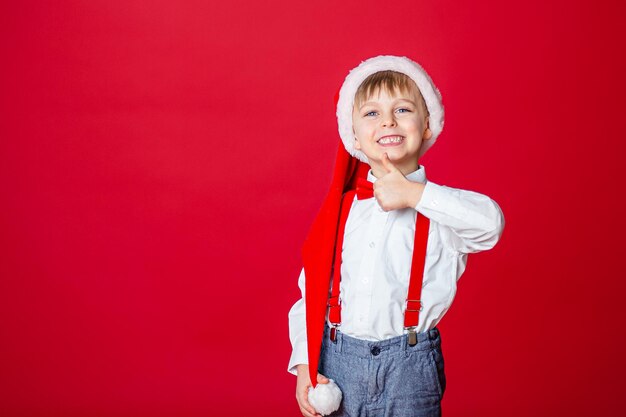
(392, 255)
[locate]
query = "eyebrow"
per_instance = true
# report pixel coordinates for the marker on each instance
(400, 99)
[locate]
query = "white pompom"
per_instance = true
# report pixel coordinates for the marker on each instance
(325, 398)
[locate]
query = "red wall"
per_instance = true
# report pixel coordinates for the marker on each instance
(161, 162)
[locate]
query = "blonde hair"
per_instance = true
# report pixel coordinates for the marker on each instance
(389, 81)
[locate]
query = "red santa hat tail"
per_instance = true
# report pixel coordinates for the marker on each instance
(318, 252)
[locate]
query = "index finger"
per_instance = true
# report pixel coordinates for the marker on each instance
(389, 166)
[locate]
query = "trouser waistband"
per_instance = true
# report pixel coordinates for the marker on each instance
(377, 349)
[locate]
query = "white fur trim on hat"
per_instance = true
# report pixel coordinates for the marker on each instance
(404, 65)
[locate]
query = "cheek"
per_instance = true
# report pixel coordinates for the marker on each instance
(413, 126)
(358, 131)
(362, 129)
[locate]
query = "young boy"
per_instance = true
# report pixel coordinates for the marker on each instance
(381, 265)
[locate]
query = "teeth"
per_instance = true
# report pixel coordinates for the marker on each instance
(390, 139)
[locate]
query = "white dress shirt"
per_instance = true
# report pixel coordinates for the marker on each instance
(376, 261)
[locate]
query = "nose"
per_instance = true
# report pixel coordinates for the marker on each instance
(389, 120)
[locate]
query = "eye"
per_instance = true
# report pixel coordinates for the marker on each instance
(371, 113)
(403, 110)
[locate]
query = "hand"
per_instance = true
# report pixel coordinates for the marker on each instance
(302, 390)
(393, 191)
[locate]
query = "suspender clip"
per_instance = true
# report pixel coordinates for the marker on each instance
(333, 332)
(412, 336)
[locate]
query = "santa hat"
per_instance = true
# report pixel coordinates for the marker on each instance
(318, 248)
(404, 65)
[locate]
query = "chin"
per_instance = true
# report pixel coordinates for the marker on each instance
(397, 156)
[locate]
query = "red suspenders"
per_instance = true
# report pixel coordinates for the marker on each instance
(413, 302)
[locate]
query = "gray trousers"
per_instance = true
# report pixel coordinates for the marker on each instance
(388, 378)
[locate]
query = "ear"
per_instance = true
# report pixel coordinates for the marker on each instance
(357, 144)
(427, 133)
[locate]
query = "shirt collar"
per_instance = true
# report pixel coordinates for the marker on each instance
(415, 176)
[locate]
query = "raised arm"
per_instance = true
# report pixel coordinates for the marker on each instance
(475, 220)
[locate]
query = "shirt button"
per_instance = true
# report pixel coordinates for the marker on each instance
(364, 280)
(375, 350)
(372, 244)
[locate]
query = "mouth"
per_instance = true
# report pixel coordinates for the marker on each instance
(391, 140)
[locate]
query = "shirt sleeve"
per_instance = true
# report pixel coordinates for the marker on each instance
(297, 331)
(475, 222)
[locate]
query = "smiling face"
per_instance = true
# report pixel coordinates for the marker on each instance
(391, 120)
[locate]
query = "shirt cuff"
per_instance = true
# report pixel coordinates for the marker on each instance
(299, 356)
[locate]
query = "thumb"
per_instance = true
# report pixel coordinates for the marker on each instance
(389, 166)
(321, 379)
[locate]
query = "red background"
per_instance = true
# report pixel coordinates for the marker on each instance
(161, 162)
